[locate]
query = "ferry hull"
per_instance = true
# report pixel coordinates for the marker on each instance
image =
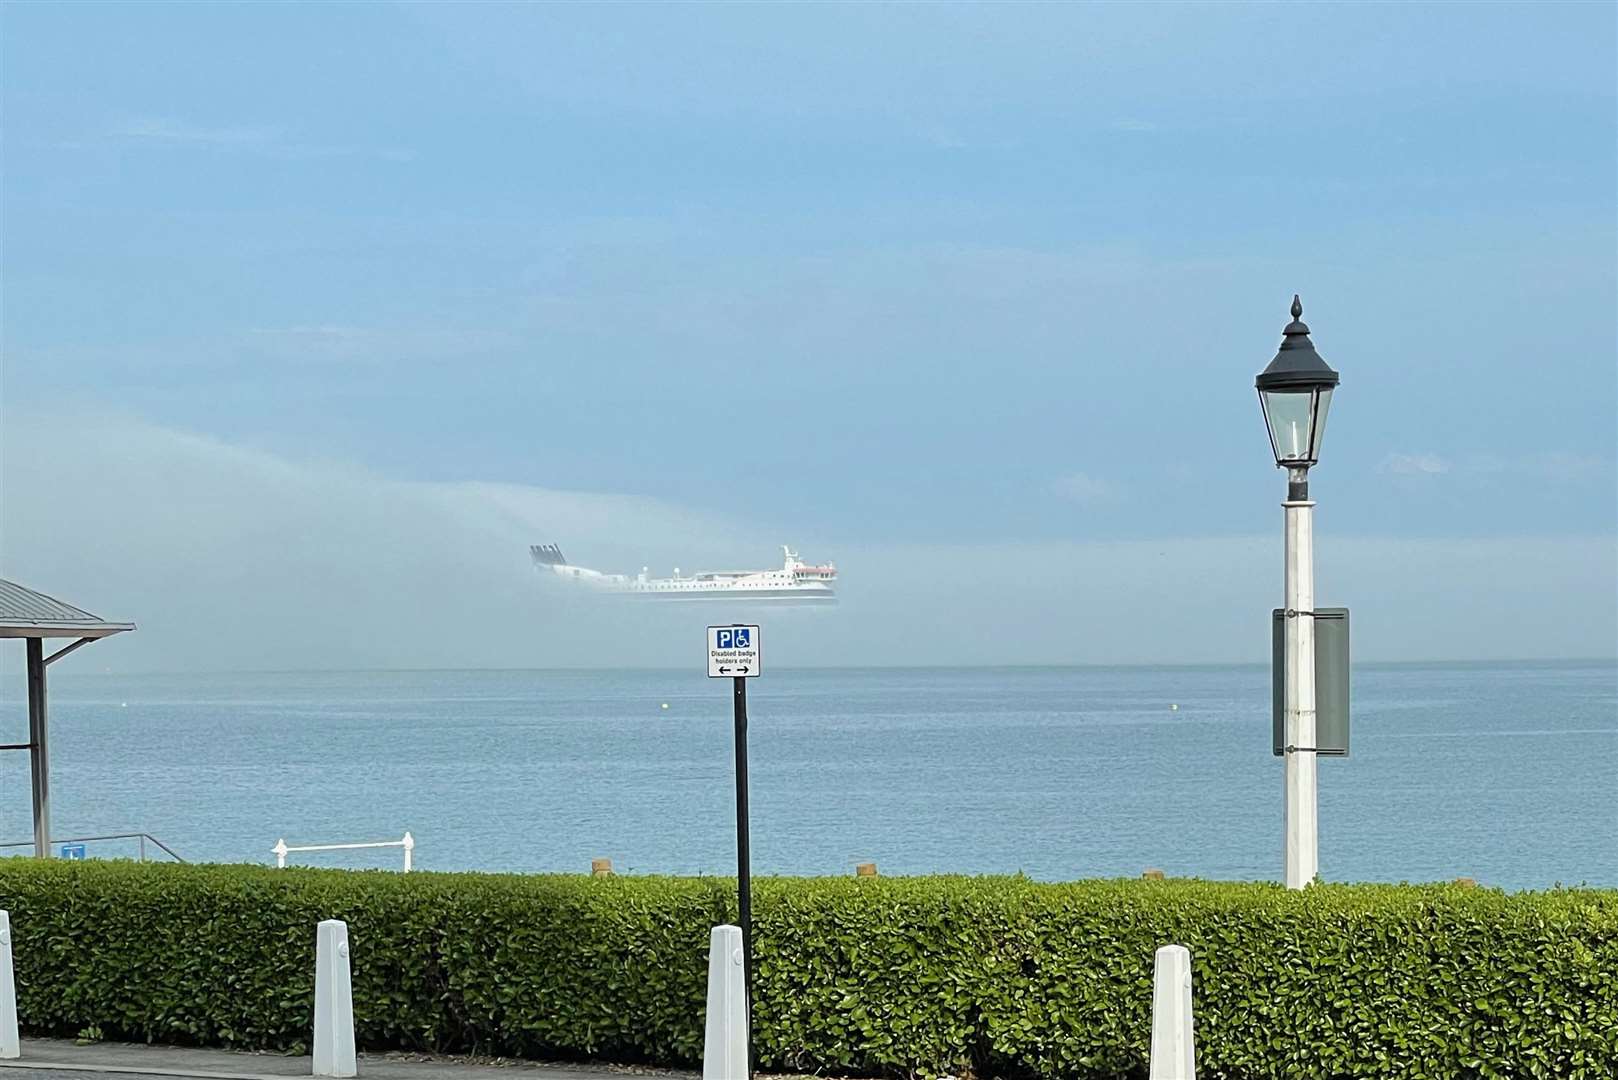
(742, 596)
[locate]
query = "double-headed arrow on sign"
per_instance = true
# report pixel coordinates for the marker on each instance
(727, 671)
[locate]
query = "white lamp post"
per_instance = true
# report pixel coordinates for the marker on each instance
(1295, 391)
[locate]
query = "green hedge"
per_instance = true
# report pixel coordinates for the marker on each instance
(993, 976)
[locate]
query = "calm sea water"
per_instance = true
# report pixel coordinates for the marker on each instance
(1502, 772)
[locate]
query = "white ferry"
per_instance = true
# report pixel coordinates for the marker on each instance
(797, 582)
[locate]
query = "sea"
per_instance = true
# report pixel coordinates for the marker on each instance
(1506, 773)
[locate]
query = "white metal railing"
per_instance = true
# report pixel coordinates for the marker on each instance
(408, 843)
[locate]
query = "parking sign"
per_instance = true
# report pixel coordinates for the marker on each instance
(733, 652)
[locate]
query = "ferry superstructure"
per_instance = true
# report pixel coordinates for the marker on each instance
(796, 582)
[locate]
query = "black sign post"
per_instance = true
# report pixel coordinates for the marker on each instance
(733, 653)
(744, 863)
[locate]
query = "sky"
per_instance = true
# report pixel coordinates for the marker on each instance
(313, 317)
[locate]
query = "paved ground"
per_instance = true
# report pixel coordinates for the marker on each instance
(59, 1059)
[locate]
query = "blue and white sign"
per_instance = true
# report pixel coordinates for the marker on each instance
(733, 652)
(73, 851)
(733, 637)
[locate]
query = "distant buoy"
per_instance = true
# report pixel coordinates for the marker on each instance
(123, 704)
(665, 704)
(1174, 708)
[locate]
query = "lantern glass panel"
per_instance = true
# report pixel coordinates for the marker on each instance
(1322, 404)
(1290, 415)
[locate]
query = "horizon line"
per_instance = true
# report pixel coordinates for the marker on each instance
(1611, 661)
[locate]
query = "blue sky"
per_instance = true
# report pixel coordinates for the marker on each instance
(855, 275)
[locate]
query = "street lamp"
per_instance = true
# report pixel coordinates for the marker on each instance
(1295, 392)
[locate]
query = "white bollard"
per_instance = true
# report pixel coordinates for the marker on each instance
(334, 1002)
(724, 1046)
(1174, 1052)
(10, 1047)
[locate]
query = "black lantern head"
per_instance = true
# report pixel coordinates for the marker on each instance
(1295, 391)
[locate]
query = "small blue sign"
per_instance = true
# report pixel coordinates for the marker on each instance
(740, 637)
(73, 851)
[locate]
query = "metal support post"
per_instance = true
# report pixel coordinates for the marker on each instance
(1302, 813)
(744, 871)
(334, 1003)
(38, 749)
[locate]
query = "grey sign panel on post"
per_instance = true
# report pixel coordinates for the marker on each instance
(1331, 682)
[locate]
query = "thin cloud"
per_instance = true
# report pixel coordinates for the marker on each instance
(338, 333)
(376, 345)
(1551, 466)
(169, 131)
(940, 138)
(1082, 488)
(1414, 465)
